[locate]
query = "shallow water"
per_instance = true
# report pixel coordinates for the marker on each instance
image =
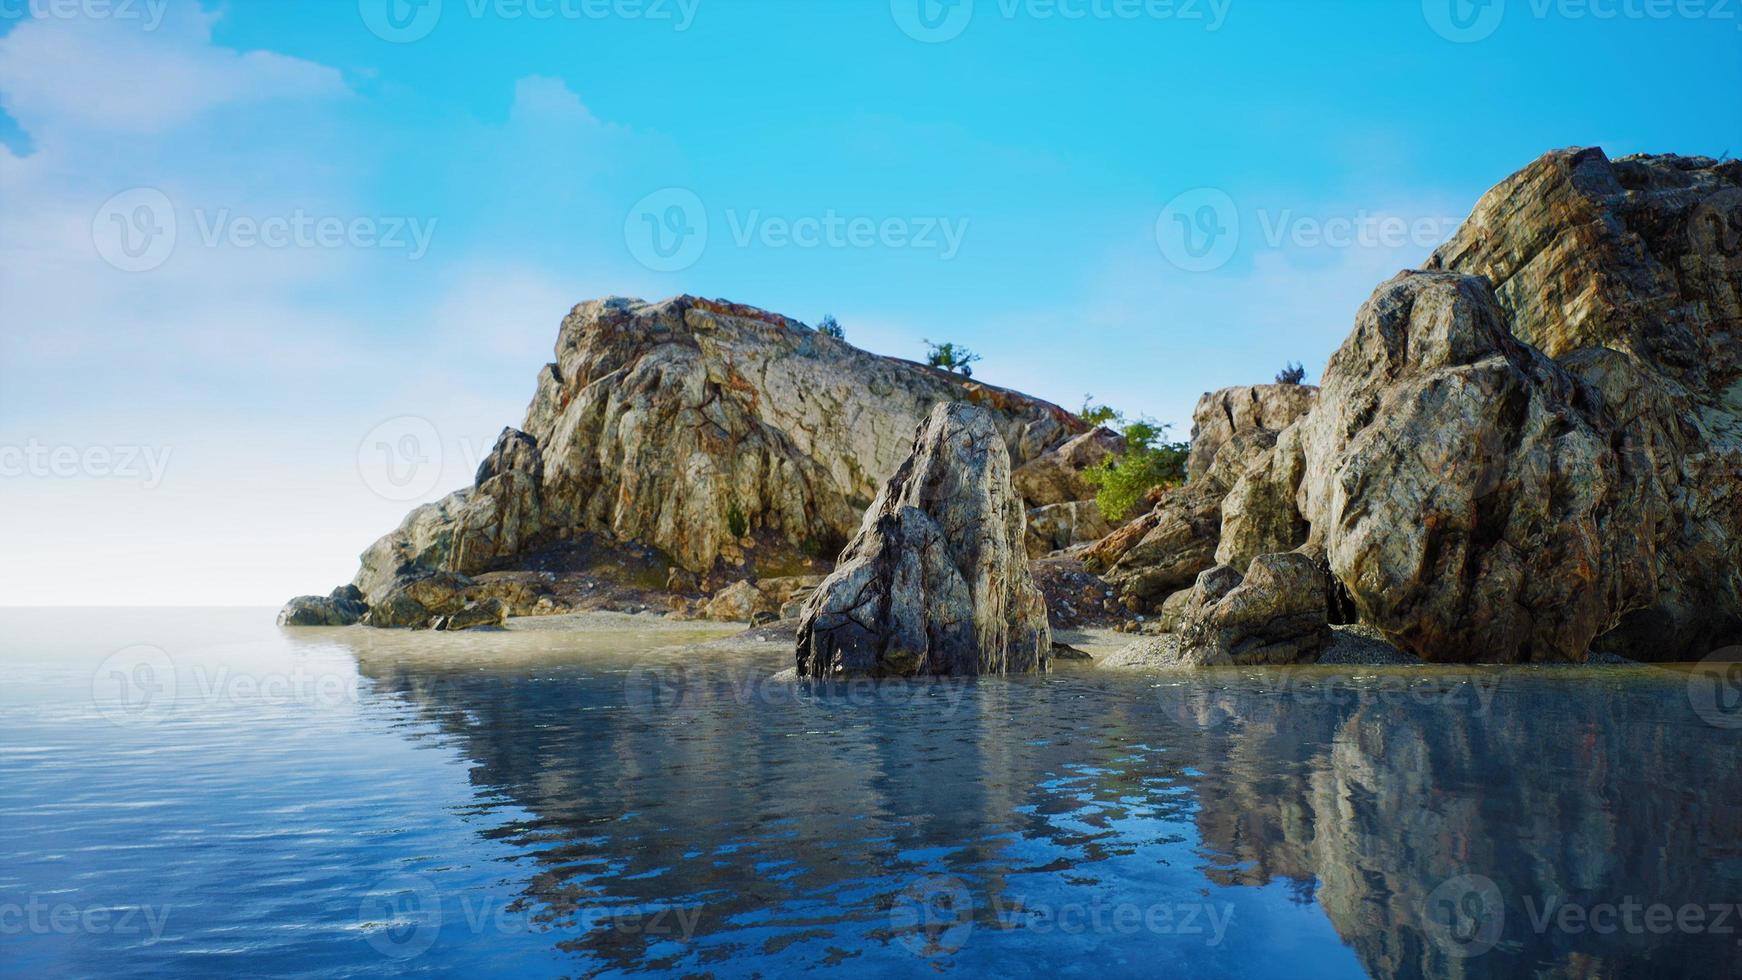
(198, 792)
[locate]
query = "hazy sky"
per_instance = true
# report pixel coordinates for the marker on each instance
(251, 251)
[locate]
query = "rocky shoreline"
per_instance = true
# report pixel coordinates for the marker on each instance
(1528, 451)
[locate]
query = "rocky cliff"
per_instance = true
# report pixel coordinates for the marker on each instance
(1530, 448)
(700, 429)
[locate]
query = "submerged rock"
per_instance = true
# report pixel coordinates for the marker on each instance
(936, 582)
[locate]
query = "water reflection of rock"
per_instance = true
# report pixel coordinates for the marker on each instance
(662, 789)
(778, 821)
(1584, 793)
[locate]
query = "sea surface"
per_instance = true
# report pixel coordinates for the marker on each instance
(199, 793)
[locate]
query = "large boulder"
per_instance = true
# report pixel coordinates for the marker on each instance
(343, 607)
(417, 597)
(684, 424)
(1274, 614)
(936, 582)
(479, 613)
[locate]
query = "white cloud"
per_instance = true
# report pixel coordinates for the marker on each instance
(111, 75)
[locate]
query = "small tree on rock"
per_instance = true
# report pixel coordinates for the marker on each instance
(832, 327)
(951, 357)
(1292, 373)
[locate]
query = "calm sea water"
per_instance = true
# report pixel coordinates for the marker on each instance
(199, 793)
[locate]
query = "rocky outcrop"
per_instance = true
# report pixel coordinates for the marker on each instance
(1056, 477)
(1274, 614)
(1221, 415)
(936, 582)
(1532, 448)
(343, 607)
(689, 425)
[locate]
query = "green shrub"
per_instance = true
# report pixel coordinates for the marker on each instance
(1095, 414)
(1292, 373)
(951, 357)
(1122, 480)
(736, 523)
(832, 327)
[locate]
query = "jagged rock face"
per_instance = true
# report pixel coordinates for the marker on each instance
(1274, 614)
(1479, 501)
(1480, 498)
(662, 423)
(1221, 415)
(1056, 477)
(936, 582)
(1642, 255)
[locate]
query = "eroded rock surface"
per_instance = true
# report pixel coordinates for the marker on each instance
(936, 582)
(1221, 415)
(688, 426)
(1274, 614)
(1531, 449)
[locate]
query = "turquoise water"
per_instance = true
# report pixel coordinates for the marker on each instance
(199, 793)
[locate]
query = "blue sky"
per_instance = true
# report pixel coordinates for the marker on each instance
(1017, 176)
